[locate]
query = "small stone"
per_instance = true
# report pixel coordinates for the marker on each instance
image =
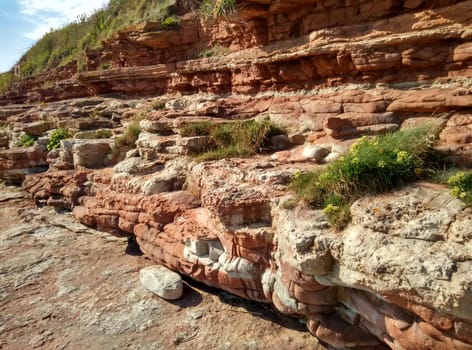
(161, 281)
(331, 157)
(215, 250)
(314, 152)
(197, 247)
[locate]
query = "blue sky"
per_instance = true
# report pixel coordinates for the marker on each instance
(22, 22)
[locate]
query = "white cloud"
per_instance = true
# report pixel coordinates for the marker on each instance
(47, 14)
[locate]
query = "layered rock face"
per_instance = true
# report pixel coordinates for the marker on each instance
(329, 72)
(398, 276)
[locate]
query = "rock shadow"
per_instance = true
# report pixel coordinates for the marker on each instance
(262, 310)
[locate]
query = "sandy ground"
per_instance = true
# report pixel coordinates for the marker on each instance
(65, 286)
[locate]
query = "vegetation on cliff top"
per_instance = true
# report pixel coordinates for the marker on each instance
(69, 44)
(62, 46)
(372, 165)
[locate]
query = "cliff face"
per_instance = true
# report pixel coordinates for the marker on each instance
(329, 72)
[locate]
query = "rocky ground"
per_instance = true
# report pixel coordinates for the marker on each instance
(66, 286)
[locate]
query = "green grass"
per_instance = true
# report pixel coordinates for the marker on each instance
(231, 151)
(170, 22)
(68, 45)
(196, 129)
(233, 139)
(373, 165)
(56, 137)
(214, 9)
(27, 140)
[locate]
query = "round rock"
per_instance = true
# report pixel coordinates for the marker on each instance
(161, 281)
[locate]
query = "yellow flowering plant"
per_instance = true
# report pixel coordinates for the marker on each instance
(461, 186)
(372, 165)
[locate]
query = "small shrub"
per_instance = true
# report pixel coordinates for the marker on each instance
(130, 136)
(158, 105)
(338, 216)
(373, 165)
(27, 140)
(106, 66)
(127, 141)
(56, 137)
(170, 22)
(461, 186)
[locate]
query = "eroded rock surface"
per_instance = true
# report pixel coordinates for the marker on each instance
(328, 72)
(398, 275)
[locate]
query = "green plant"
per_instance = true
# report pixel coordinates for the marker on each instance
(196, 129)
(106, 66)
(56, 137)
(213, 9)
(126, 141)
(233, 139)
(372, 165)
(461, 186)
(27, 140)
(130, 135)
(216, 50)
(170, 22)
(158, 105)
(5, 81)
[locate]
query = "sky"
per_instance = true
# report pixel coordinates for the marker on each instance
(23, 22)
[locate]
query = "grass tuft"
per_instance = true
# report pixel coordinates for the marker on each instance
(126, 142)
(214, 9)
(234, 139)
